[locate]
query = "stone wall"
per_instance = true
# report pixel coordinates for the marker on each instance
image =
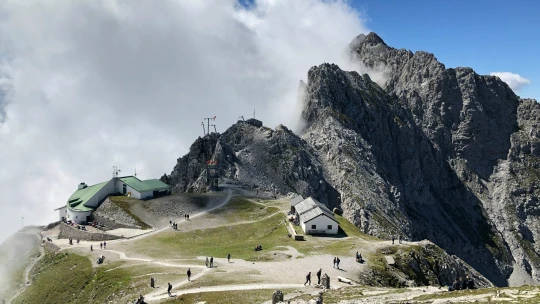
(67, 232)
(111, 215)
(111, 223)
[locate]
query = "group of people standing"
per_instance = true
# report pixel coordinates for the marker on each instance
(460, 283)
(336, 262)
(175, 225)
(308, 277)
(400, 239)
(209, 262)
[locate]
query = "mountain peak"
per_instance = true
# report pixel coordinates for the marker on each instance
(370, 39)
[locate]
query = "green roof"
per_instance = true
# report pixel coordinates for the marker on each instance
(144, 186)
(78, 199)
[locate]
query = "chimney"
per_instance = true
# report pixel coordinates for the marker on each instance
(82, 186)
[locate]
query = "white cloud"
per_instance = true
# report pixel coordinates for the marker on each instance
(514, 81)
(91, 84)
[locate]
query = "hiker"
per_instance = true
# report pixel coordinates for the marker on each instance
(170, 222)
(228, 257)
(206, 263)
(100, 245)
(392, 239)
(334, 262)
(187, 216)
(169, 289)
(140, 300)
(211, 262)
(78, 240)
(470, 283)
(453, 286)
(188, 274)
(152, 282)
(91, 248)
(337, 262)
(104, 245)
(319, 276)
(399, 238)
(359, 258)
(308, 278)
(462, 283)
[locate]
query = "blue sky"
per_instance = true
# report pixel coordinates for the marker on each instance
(486, 35)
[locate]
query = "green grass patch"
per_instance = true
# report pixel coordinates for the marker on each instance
(351, 230)
(57, 278)
(228, 297)
(242, 209)
(70, 278)
(124, 203)
(238, 240)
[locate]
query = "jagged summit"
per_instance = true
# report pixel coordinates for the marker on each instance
(440, 154)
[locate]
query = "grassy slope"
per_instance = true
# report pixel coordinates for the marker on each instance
(240, 239)
(70, 278)
(57, 277)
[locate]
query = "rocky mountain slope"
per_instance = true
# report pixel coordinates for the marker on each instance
(434, 153)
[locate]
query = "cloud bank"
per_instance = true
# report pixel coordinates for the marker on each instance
(85, 85)
(514, 81)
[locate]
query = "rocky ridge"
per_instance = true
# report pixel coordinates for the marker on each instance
(434, 153)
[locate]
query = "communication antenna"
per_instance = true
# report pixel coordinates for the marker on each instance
(116, 171)
(210, 125)
(253, 112)
(135, 172)
(204, 130)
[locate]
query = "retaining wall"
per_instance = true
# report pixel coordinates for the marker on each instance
(67, 232)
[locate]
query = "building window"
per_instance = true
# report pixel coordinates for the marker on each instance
(329, 227)
(313, 226)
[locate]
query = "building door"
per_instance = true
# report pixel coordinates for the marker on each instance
(124, 189)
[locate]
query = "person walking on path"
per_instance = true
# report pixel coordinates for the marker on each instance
(152, 282)
(211, 262)
(337, 262)
(392, 239)
(169, 289)
(319, 276)
(91, 248)
(206, 263)
(308, 278)
(105, 245)
(100, 245)
(228, 257)
(189, 274)
(334, 262)
(399, 238)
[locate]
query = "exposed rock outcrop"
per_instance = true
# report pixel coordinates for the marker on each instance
(433, 153)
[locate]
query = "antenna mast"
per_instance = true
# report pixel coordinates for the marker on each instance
(204, 130)
(253, 112)
(209, 124)
(116, 171)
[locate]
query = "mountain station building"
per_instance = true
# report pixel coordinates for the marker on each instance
(315, 218)
(86, 199)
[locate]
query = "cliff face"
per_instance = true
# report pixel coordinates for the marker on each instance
(276, 161)
(434, 153)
